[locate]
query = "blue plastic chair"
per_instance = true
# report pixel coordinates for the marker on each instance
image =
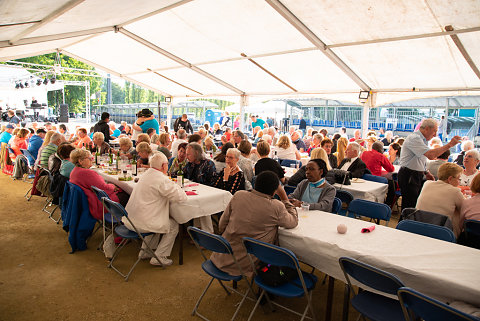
(288, 162)
(416, 305)
(289, 189)
(118, 211)
(218, 244)
(337, 205)
(279, 256)
(374, 210)
(346, 197)
(107, 217)
(374, 306)
(30, 165)
(434, 231)
(374, 178)
(472, 233)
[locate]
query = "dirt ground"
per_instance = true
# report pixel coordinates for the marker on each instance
(40, 280)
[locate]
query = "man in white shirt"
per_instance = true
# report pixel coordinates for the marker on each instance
(413, 161)
(442, 129)
(181, 138)
(148, 209)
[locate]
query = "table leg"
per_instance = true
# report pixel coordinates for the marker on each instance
(180, 239)
(346, 302)
(328, 312)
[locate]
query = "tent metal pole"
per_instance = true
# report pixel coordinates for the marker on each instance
(52, 16)
(59, 36)
(312, 37)
(169, 113)
(243, 103)
(411, 37)
(178, 60)
(463, 51)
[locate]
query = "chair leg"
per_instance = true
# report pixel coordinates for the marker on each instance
(223, 286)
(245, 296)
(256, 305)
(26, 194)
(346, 302)
(51, 215)
(201, 297)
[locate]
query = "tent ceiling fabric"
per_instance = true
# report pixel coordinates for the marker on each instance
(195, 48)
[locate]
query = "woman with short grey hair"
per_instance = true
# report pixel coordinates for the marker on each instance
(231, 177)
(470, 162)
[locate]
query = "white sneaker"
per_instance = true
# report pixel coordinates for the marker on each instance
(163, 261)
(143, 255)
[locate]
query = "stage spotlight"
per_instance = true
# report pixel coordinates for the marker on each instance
(17, 85)
(45, 81)
(39, 82)
(52, 80)
(21, 85)
(26, 84)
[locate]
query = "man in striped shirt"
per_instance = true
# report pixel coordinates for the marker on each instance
(51, 148)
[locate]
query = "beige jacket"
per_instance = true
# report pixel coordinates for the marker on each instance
(442, 198)
(251, 214)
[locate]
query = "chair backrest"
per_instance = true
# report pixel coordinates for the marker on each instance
(289, 189)
(374, 178)
(427, 308)
(370, 209)
(344, 196)
(28, 155)
(117, 210)
(438, 232)
(370, 276)
(337, 205)
(472, 233)
(426, 217)
(288, 162)
(100, 193)
(270, 254)
(211, 242)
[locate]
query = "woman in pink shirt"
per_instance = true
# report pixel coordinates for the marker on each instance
(85, 178)
(471, 207)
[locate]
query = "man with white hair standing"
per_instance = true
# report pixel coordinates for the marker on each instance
(148, 209)
(352, 163)
(413, 161)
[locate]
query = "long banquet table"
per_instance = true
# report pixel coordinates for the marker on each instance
(367, 190)
(443, 270)
(209, 200)
(362, 189)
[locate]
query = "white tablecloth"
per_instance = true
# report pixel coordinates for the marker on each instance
(443, 270)
(209, 200)
(367, 190)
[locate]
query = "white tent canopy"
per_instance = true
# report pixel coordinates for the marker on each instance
(253, 47)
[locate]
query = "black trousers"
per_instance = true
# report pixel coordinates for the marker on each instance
(410, 183)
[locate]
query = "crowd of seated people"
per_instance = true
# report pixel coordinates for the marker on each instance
(229, 159)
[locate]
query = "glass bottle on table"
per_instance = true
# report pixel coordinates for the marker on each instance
(180, 176)
(275, 156)
(117, 160)
(134, 165)
(110, 160)
(97, 155)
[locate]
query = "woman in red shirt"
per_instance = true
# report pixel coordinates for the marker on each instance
(19, 142)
